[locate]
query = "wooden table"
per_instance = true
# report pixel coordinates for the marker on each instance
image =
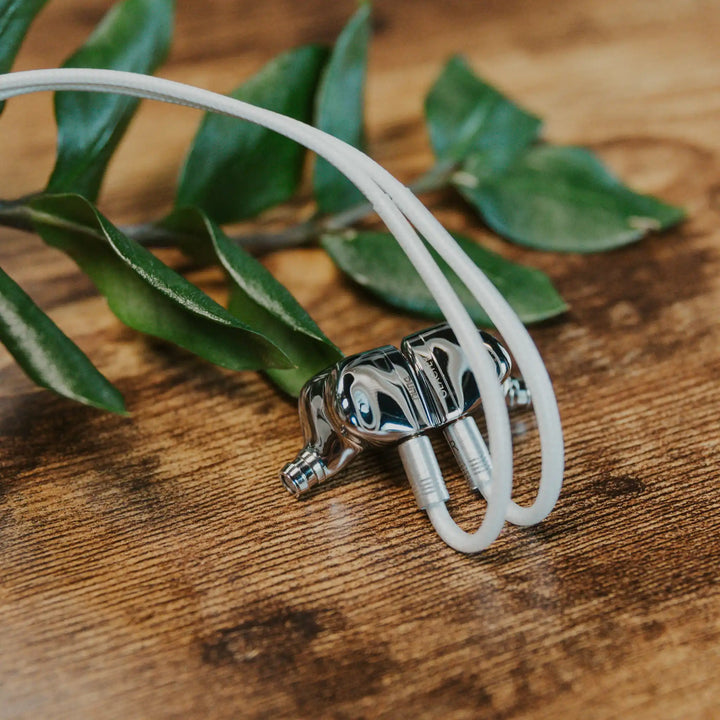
(152, 567)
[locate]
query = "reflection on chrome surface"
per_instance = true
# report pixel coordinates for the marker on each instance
(383, 397)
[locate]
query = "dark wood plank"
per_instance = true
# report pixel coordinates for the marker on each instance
(152, 566)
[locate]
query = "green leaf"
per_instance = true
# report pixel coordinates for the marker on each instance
(563, 198)
(236, 169)
(15, 19)
(48, 356)
(375, 261)
(339, 109)
(468, 117)
(146, 294)
(134, 36)
(259, 300)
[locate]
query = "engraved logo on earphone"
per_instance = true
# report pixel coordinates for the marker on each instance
(442, 388)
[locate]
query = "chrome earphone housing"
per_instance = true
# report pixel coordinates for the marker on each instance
(387, 396)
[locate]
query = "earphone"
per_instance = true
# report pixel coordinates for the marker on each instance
(403, 214)
(386, 396)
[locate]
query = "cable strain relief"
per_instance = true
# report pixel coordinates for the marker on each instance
(423, 471)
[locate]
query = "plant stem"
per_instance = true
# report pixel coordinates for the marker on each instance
(437, 178)
(152, 235)
(17, 214)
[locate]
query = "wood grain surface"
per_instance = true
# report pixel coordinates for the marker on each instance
(152, 567)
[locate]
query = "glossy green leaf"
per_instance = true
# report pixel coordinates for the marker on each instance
(15, 19)
(135, 36)
(467, 118)
(48, 356)
(563, 198)
(236, 169)
(145, 293)
(259, 300)
(339, 109)
(375, 261)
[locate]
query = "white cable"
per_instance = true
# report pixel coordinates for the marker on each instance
(514, 334)
(375, 182)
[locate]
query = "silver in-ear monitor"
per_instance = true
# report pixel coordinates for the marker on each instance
(388, 396)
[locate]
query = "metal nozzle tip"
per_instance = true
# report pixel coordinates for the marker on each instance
(293, 479)
(303, 473)
(517, 394)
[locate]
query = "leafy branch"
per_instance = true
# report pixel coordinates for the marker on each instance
(487, 149)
